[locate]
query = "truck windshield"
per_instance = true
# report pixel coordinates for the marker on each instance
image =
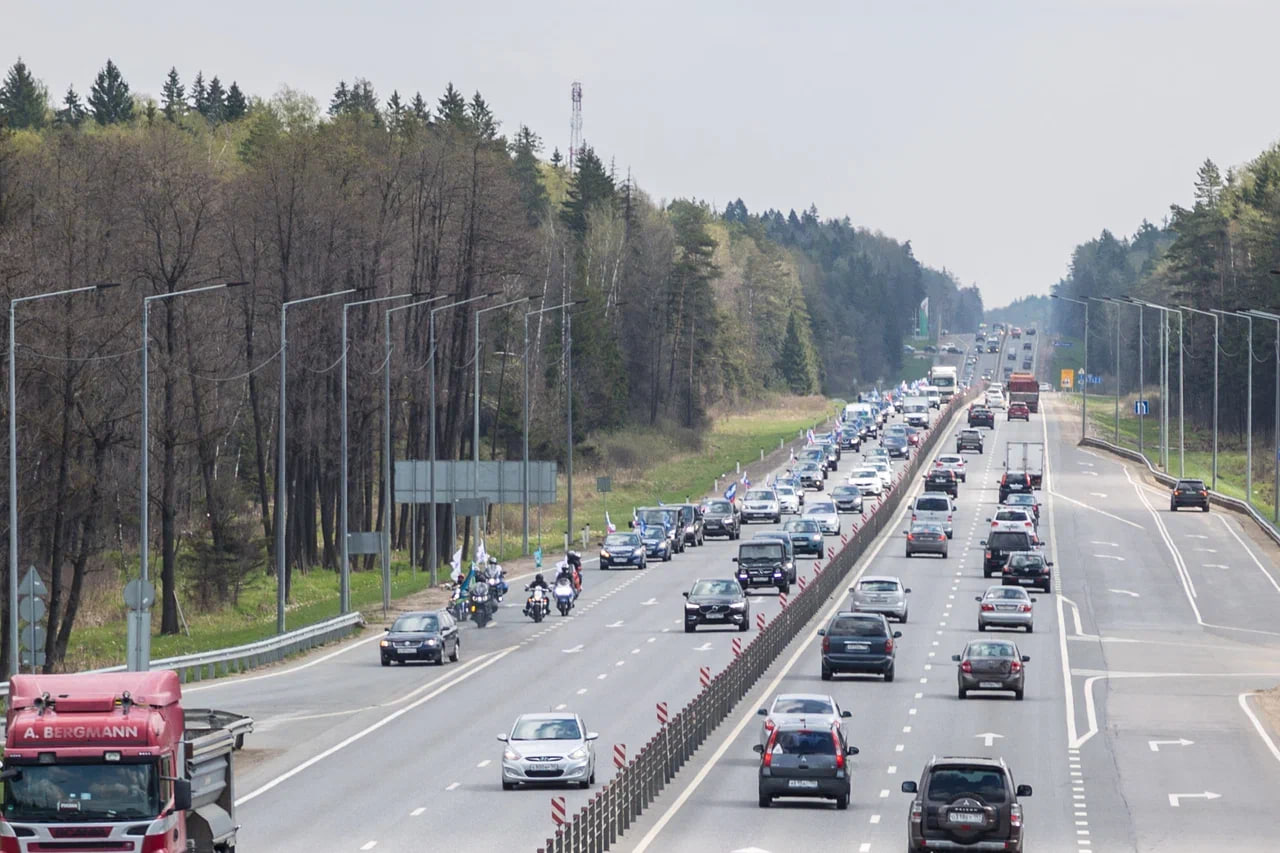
(944, 381)
(75, 793)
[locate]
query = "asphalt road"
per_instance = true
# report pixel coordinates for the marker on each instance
(353, 756)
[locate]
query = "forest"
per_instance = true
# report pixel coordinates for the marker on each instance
(679, 310)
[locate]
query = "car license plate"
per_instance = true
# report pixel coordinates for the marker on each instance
(1027, 581)
(857, 647)
(543, 767)
(965, 817)
(715, 615)
(802, 783)
(991, 685)
(1006, 607)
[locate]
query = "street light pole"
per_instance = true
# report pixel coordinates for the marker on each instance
(1084, 386)
(1115, 321)
(344, 576)
(1275, 430)
(1182, 467)
(475, 414)
(1248, 429)
(15, 660)
(138, 655)
(1214, 317)
(282, 499)
(1138, 404)
(431, 369)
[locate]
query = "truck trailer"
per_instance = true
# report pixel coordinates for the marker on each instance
(1023, 387)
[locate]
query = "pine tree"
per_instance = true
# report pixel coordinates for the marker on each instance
(793, 360)
(199, 94)
(556, 157)
(591, 185)
(396, 111)
(109, 98)
(173, 96)
(486, 126)
(73, 112)
(216, 109)
(363, 98)
(341, 97)
(419, 108)
(532, 192)
(236, 107)
(23, 100)
(452, 107)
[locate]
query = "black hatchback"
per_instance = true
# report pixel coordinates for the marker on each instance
(427, 635)
(799, 761)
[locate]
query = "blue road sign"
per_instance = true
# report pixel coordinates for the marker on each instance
(1095, 380)
(1141, 407)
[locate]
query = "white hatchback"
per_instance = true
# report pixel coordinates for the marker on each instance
(867, 480)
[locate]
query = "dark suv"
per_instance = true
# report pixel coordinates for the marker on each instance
(942, 480)
(721, 519)
(1189, 493)
(999, 545)
(968, 439)
(858, 642)
(803, 761)
(965, 804)
(1014, 481)
(762, 562)
(690, 516)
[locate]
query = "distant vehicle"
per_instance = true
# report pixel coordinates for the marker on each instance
(1189, 493)
(812, 475)
(969, 803)
(762, 562)
(1012, 355)
(690, 521)
(926, 538)
(817, 710)
(897, 446)
(991, 665)
(761, 504)
(1018, 411)
(858, 642)
(1028, 346)
(716, 601)
(916, 412)
(427, 635)
(824, 512)
(553, 747)
(954, 463)
(1029, 568)
(806, 535)
(847, 498)
(880, 594)
(720, 518)
(1026, 364)
(1026, 456)
(1013, 518)
(657, 544)
(803, 760)
(1025, 500)
(1014, 482)
(1031, 330)
(943, 377)
(934, 508)
(1045, 387)
(788, 550)
(622, 549)
(999, 545)
(1016, 332)
(969, 439)
(788, 497)
(981, 416)
(995, 398)
(1005, 607)
(941, 480)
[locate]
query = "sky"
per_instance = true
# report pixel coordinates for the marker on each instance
(994, 136)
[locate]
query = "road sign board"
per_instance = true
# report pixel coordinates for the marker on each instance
(30, 609)
(604, 484)
(32, 637)
(1067, 379)
(137, 596)
(32, 585)
(1142, 407)
(27, 663)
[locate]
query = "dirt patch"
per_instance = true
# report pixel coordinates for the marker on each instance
(1269, 704)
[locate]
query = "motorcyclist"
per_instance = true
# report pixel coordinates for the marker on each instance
(575, 563)
(494, 576)
(539, 582)
(564, 571)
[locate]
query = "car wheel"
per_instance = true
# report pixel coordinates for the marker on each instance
(908, 554)
(666, 558)
(982, 626)
(903, 619)
(508, 786)
(689, 629)
(842, 802)
(1017, 694)
(826, 673)
(950, 533)
(746, 623)
(962, 693)
(453, 655)
(944, 553)
(386, 662)
(1173, 507)
(1204, 508)
(584, 785)
(592, 780)
(1030, 627)
(888, 676)
(765, 801)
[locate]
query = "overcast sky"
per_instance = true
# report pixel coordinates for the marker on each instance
(992, 135)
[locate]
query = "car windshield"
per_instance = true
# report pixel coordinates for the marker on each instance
(990, 650)
(760, 550)
(856, 626)
(824, 507)
(83, 792)
(729, 588)
(802, 705)
(1007, 592)
(417, 622)
(800, 525)
(951, 783)
(657, 516)
(653, 532)
(1021, 500)
(804, 742)
(760, 495)
(845, 491)
(864, 474)
(1009, 541)
(719, 508)
(621, 540)
(562, 728)
(879, 586)
(895, 440)
(1022, 561)
(950, 460)
(933, 505)
(784, 490)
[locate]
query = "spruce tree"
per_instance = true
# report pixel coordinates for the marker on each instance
(396, 111)
(73, 112)
(363, 98)
(591, 185)
(486, 126)
(793, 360)
(341, 97)
(109, 98)
(419, 108)
(529, 178)
(23, 100)
(556, 157)
(173, 96)
(215, 101)
(199, 94)
(452, 107)
(236, 107)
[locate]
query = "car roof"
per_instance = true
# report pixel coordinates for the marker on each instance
(860, 614)
(420, 613)
(820, 696)
(896, 580)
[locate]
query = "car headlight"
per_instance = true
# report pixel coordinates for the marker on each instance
(688, 605)
(510, 754)
(605, 554)
(738, 605)
(384, 644)
(579, 753)
(430, 641)
(639, 551)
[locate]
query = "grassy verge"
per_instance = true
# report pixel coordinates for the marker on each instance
(913, 367)
(687, 464)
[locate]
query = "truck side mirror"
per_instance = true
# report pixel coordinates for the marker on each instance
(181, 795)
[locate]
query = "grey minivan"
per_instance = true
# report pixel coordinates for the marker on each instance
(934, 508)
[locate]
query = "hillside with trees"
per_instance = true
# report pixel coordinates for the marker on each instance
(682, 310)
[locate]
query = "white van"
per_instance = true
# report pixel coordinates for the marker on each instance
(933, 395)
(934, 508)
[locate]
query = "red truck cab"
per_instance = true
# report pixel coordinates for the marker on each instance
(107, 761)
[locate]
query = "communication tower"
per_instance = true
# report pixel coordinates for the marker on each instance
(575, 124)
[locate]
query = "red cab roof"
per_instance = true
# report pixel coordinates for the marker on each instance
(92, 689)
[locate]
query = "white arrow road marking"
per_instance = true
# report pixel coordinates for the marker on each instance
(1109, 557)
(649, 603)
(1108, 544)
(617, 624)
(574, 650)
(705, 647)
(989, 738)
(1156, 744)
(1206, 795)
(1124, 592)
(1090, 473)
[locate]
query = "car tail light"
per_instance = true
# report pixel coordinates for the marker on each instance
(839, 752)
(1203, 493)
(988, 607)
(1026, 524)
(1015, 666)
(993, 524)
(917, 811)
(768, 723)
(1026, 608)
(913, 516)
(910, 538)
(988, 555)
(768, 753)
(888, 645)
(937, 464)
(826, 644)
(1015, 815)
(965, 666)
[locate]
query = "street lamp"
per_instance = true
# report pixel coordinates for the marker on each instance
(139, 651)
(344, 576)
(1275, 435)
(1164, 403)
(1084, 389)
(282, 499)
(15, 661)
(475, 416)
(525, 459)
(1141, 389)
(431, 369)
(1248, 428)
(1214, 317)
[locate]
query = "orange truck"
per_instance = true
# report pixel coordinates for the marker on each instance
(1023, 387)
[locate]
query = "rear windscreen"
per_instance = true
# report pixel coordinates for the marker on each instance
(932, 505)
(948, 783)
(1010, 541)
(851, 625)
(804, 743)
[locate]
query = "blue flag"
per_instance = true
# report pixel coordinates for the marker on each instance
(731, 492)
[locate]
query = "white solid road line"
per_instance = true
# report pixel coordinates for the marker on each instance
(750, 716)
(1068, 692)
(1247, 550)
(370, 729)
(1243, 699)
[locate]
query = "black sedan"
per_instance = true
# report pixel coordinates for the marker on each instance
(847, 498)
(623, 549)
(981, 416)
(897, 446)
(657, 544)
(426, 635)
(720, 518)
(942, 480)
(716, 601)
(991, 665)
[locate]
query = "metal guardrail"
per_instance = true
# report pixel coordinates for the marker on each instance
(211, 664)
(1168, 480)
(638, 782)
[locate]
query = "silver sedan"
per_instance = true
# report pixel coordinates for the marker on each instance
(1005, 607)
(554, 747)
(882, 594)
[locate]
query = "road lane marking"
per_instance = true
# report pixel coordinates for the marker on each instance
(485, 763)
(561, 706)
(420, 809)
(1248, 551)
(1129, 593)
(369, 845)
(370, 729)
(452, 786)
(1243, 699)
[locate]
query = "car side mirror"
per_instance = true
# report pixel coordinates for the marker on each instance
(1023, 791)
(910, 788)
(1026, 658)
(734, 559)
(502, 738)
(846, 714)
(897, 635)
(908, 589)
(822, 632)
(685, 594)
(852, 750)
(1048, 562)
(956, 658)
(181, 795)
(983, 543)
(758, 748)
(764, 712)
(387, 629)
(593, 735)
(977, 598)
